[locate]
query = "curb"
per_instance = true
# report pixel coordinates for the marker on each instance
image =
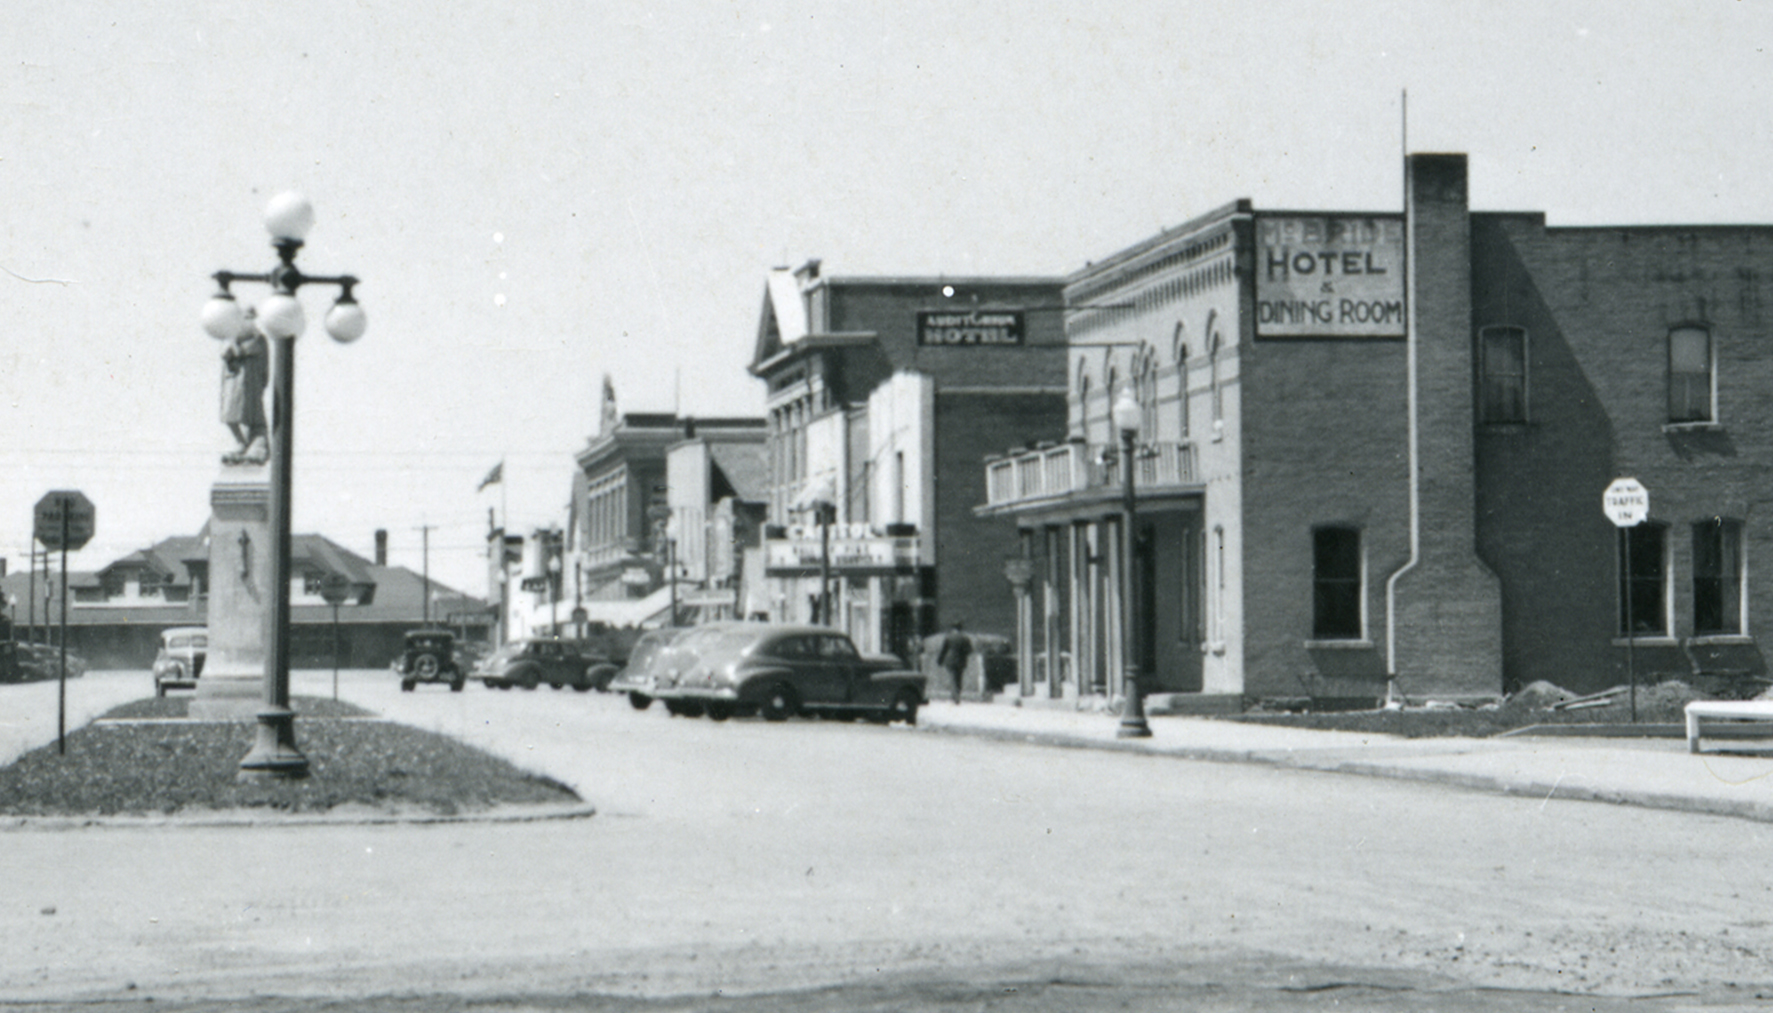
(247, 818)
(1563, 792)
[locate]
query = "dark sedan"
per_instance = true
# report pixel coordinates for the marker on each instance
(780, 671)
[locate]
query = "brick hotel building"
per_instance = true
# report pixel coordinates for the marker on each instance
(1373, 449)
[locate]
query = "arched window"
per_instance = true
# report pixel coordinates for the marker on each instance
(1083, 400)
(1110, 391)
(1144, 381)
(1179, 356)
(1218, 393)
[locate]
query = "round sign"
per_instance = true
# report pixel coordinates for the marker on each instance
(335, 587)
(63, 519)
(1626, 502)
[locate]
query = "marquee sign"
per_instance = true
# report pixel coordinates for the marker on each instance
(946, 329)
(1330, 276)
(853, 549)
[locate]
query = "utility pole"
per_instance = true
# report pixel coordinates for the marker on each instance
(425, 543)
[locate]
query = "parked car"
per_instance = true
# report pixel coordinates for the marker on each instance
(430, 656)
(679, 657)
(636, 677)
(44, 661)
(180, 659)
(27, 662)
(783, 670)
(558, 662)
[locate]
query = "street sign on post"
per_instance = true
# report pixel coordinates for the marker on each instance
(335, 587)
(64, 519)
(1627, 504)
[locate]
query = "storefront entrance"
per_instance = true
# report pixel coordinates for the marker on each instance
(1169, 549)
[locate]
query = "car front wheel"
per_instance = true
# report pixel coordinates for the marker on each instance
(639, 701)
(905, 707)
(780, 704)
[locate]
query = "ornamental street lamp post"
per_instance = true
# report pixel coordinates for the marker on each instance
(1127, 417)
(288, 218)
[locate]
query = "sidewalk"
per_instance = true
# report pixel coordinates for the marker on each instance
(1726, 780)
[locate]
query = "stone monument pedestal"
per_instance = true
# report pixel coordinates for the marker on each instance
(232, 687)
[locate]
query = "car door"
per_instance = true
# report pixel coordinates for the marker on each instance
(806, 669)
(552, 659)
(837, 667)
(844, 672)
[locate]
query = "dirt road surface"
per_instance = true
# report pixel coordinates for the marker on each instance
(829, 865)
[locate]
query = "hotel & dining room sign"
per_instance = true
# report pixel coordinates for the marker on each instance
(1330, 276)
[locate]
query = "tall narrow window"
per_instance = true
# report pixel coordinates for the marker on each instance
(1213, 376)
(1145, 389)
(1689, 375)
(1179, 355)
(1081, 419)
(1717, 577)
(1643, 581)
(1218, 603)
(1336, 583)
(899, 486)
(1505, 374)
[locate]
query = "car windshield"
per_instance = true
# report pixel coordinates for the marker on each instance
(730, 642)
(700, 637)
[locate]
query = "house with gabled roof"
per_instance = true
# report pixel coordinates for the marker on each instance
(115, 614)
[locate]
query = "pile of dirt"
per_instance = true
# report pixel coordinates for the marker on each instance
(1548, 703)
(1539, 703)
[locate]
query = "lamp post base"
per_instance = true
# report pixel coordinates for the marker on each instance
(274, 753)
(1133, 726)
(1132, 713)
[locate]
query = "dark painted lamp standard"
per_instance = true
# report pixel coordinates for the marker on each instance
(1127, 418)
(288, 218)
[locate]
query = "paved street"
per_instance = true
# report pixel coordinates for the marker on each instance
(742, 857)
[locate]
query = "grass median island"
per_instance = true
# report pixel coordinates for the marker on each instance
(127, 763)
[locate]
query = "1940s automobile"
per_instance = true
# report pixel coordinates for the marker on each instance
(782, 670)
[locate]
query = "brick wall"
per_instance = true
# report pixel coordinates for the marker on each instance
(1597, 305)
(1323, 437)
(1448, 636)
(970, 552)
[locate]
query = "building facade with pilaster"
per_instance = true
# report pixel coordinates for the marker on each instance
(883, 393)
(1371, 453)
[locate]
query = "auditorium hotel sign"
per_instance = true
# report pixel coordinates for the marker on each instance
(1330, 276)
(969, 328)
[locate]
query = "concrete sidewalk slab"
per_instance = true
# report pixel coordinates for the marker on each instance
(1655, 773)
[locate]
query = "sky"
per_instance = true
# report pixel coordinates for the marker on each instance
(537, 195)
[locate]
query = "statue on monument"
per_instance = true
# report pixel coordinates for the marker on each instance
(246, 367)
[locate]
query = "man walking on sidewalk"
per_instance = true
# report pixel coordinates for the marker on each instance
(956, 648)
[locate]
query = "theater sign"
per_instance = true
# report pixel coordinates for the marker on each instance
(1330, 276)
(855, 550)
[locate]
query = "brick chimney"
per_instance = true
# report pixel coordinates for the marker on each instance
(381, 546)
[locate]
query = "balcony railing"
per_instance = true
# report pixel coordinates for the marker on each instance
(1066, 468)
